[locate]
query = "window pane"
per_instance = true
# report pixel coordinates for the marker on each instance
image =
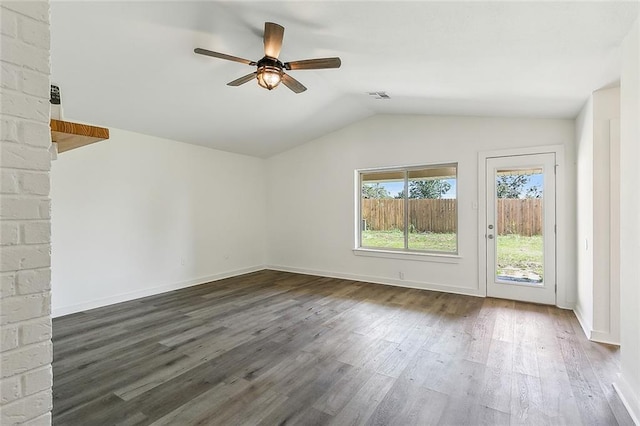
(519, 236)
(433, 209)
(382, 213)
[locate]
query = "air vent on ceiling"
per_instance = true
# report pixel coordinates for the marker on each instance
(379, 95)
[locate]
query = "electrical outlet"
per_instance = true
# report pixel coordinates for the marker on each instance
(401, 275)
(182, 261)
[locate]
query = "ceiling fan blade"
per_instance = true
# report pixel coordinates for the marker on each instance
(223, 56)
(273, 35)
(313, 64)
(242, 80)
(292, 83)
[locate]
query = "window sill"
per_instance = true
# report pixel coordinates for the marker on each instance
(405, 255)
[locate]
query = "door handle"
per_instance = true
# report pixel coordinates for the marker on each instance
(490, 236)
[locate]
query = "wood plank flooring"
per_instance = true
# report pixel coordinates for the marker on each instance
(274, 348)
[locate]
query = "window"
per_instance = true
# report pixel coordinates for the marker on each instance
(412, 209)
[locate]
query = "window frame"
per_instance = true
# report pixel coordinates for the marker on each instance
(405, 252)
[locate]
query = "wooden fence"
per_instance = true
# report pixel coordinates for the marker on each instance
(519, 216)
(515, 216)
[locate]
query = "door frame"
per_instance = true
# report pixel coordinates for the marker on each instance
(563, 257)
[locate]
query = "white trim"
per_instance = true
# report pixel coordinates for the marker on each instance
(562, 300)
(381, 280)
(124, 297)
(614, 229)
(408, 255)
(604, 337)
(594, 335)
(583, 324)
(630, 400)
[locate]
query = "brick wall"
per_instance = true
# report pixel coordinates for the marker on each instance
(25, 275)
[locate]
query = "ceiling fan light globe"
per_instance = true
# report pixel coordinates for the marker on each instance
(269, 77)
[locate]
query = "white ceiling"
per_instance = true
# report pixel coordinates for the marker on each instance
(131, 65)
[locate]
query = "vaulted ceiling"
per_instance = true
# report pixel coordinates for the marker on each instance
(131, 65)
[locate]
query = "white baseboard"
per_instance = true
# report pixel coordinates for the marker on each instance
(381, 280)
(124, 297)
(595, 335)
(604, 337)
(569, 306)
(585, 327)
(630, 399)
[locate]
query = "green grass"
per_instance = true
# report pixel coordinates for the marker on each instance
(517, 254)
(395, 239)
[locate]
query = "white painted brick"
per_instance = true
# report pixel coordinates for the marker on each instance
(19, 156)
(19, 361)
(43, 420)
(9, 182)
(38, 10)
(17, 52)
(35, 183)
(7, 284)
(22, 308)
(9, 232)
(19, 257)
(8, 130)
(22, 410)
(14, 207)
(8, 23)
(37, 380)
(35, 233)
(25, 296)
(10, 389)
(35, 83)
(23, 106)
(33, 281)
(45, 209)
(8, 338)
(36, 134)
(10, 76)
(34, 32)
(35, 331)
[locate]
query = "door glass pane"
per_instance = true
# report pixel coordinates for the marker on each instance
(519, 223)
(382, 210)
(433, 209)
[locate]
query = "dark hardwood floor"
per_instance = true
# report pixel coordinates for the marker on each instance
(278, 348)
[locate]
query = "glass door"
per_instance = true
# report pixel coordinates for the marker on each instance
(520, 229)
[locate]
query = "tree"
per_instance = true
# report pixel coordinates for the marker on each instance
(514, 186)
(534, 192)
(374, 190)
(435, 188)
(422, 189)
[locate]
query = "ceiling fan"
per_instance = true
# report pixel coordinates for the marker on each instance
(270, 70)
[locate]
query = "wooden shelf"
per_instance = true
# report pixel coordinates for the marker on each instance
(70, 135)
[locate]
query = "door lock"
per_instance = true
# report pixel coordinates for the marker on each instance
(490, 226)
(490, 236)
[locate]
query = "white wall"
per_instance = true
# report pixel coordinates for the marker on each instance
(629, 383)
(25, 275)
(597, 130)
(137, 215)
(311, 194)
(584, 219)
